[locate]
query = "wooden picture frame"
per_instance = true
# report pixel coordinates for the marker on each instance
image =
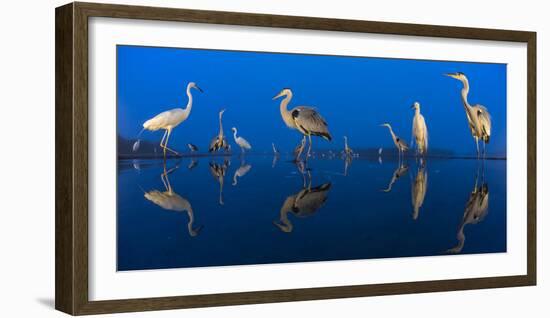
(71, 90)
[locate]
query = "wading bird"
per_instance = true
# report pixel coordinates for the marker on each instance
(476, 209)
(169, 120)
(240, 141)
(170, 200)
(219, 142)
(302, 118)
(479, 119)
(193, 148)
(419, 131)
(348, 152)
(399, 143)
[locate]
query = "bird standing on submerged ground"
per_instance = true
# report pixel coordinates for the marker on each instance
(479, 118)
(219, 142)
(240, 141)
(399, 143)
(304, 119)
(169, 120)
(193, 148)
(419, 131)
(275, 151)
(347, 150)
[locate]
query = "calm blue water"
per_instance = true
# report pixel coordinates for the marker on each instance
(280, 212)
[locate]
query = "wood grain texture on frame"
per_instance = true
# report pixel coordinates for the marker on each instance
(71, 221)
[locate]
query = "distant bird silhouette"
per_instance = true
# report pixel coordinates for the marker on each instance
(193, 148)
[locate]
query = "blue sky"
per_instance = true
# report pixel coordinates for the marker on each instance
(354, 95)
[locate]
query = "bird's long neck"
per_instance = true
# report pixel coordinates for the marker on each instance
(287, 117)
(464, 93)
(392, 134)
(221, 126)
(417, 111)
(235, 134)
(187, 109)
(345, 143)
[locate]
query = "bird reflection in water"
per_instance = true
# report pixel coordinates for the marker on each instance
(243, 169)
(400, 171)
(347, 163)
(170, 200)
(476, 209)
(304, 203)
(218, 171)
(193, 164)
(419, 188)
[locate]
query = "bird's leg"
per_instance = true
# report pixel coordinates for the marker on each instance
(166, 144)
(162, 142)
(477, 146)
(309, 148)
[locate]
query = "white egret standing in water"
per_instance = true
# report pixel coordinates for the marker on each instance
(302, 118)
(419, 131)
(399, 143)
(240, 141)
(169, 120)
(479, 119)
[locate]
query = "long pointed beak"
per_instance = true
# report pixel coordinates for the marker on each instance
(276, 96)
(200, 90)
(453, 75)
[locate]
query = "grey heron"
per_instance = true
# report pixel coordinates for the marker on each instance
(169, 120)
(479, 118)
(306, 120)
(218, 171)
(219, 142)
(192, 147)
(401, 145)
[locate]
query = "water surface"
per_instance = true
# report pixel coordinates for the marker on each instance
(218, 211)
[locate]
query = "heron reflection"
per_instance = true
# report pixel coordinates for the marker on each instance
(347, 163)
(193, 164)
(475, 211)
(400, 171)
(170, 200)
(304, 203)
(241, 171)
(419, 188)
(218, 171)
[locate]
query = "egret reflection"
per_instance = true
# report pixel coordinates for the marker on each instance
(475, 211)
(218, 171)
(170, 200)
(304, 203)
(419, 188)
(193, 164)
(241, 171)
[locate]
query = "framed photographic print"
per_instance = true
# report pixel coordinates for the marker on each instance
(217, 158)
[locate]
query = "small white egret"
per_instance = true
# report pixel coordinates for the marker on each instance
(169, 120)
(245, 145)
(302, 118)
(192, 147)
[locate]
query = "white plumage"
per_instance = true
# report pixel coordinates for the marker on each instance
(419, 131)
(168, 120)
(243, 143)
